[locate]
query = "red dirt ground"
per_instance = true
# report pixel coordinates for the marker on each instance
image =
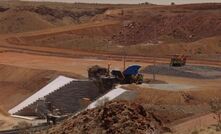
(32, 58)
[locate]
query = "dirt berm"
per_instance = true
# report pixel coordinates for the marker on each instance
(116, 117)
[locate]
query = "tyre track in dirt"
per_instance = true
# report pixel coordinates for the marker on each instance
(63, 29)
(190, 123)
(16, 47)
(104, 56)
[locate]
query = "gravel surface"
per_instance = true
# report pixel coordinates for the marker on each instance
(171, 87)
(190, 71)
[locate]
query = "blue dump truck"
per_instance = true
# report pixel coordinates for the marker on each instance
(128, 76)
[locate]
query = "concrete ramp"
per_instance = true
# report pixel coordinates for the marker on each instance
(56, 84)
(110, 96)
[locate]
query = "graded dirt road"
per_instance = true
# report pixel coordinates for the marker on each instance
(74, 65)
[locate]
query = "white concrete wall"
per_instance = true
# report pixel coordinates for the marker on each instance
(110, 95)
(51, 87)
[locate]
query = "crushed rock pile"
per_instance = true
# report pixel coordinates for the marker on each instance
(119, 117)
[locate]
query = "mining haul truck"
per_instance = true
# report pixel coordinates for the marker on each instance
(178, 60)
(128, 76)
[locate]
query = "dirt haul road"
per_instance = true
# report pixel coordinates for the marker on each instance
(45, 51)
(79, 66)
(15, 43)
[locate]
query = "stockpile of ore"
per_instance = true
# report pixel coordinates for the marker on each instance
(114, 117)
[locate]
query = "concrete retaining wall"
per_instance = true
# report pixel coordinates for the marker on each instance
(56, 84)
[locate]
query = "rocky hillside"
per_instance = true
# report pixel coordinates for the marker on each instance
(29, 16)
(193, 29)
(185, 23)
